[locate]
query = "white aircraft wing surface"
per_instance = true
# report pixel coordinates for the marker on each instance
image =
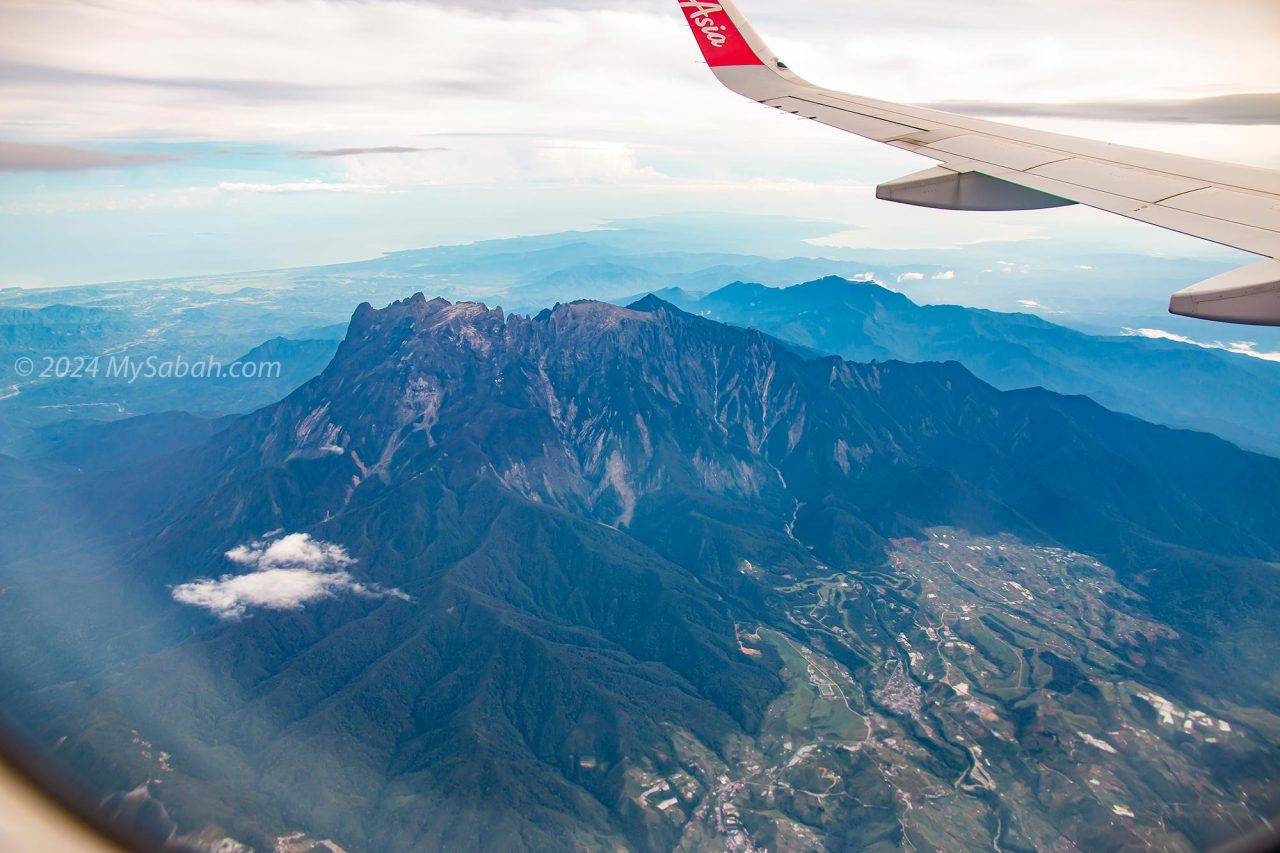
(987, 165)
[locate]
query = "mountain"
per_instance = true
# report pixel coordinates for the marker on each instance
(99, 383)
(1228, 394)
(226, 315)
(58, 326)
(103, 447)
(626, 578)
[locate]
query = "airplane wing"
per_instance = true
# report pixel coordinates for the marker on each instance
(987, 165)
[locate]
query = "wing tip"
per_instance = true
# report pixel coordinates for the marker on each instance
(723, 40)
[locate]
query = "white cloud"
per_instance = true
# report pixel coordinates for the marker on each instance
(1040, 308)
(288, 573)
(297, 550)
(18, 157)
(299, 187)
(911, 276)
(949, 275)
(1239, 347)
(592, 161)
(232, 596)
(893, 226)
(482, 159)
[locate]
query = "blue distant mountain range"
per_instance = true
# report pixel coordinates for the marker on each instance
(296, 317)
(1167, 382)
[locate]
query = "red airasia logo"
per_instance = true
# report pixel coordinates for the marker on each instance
(718, 36)
(700, 18)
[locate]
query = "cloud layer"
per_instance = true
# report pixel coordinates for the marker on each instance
(352, 152)
(557, 114)
(587, 69)
(287, 573)
(28, 157)
(310, 186)
(1248, 348)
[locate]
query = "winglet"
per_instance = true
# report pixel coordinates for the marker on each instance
(722, 41)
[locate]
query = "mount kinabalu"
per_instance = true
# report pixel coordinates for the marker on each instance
(563, 506)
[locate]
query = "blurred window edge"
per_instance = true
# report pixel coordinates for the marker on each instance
(43, 808)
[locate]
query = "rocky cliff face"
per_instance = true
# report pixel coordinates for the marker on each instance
(594, 409)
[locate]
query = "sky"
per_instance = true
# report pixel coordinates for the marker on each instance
(142, 139)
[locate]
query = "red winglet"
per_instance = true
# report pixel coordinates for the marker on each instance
(717, 35)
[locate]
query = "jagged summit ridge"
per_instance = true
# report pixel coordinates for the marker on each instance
(592, 408)
(579, 395)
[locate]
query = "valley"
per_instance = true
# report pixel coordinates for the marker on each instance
(982, 694)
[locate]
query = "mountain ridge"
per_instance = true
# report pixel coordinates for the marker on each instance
(864, 321)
